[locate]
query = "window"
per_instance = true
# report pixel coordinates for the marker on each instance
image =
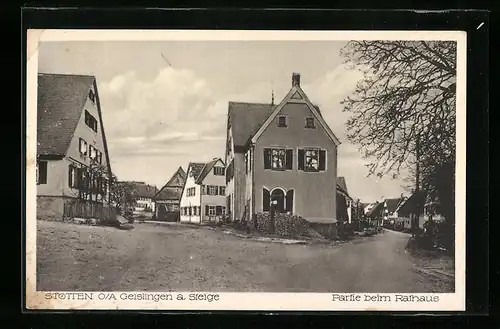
(83, 147)
(99, 157)
(191, 191)
(248, 162)
(210, 210)
(219, 210)
(310, 123)
(92, 152)
(90, 121)
(222, 190)
(278, 159)
(212, 189)
(219, 171)
(281, 121)
(73, 176)
(41, 172)
(312, 160)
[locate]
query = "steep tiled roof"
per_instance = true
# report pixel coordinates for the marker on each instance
(412, 204)
(376, 210)
(196, 168)
(342, 184)
(206, 169)
(172, 190)
(143, 190)
(60, 103)
(246, 118)
(392, 204)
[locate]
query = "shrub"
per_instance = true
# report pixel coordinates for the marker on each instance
(285, 224)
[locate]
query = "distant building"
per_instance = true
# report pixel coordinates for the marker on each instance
(144, 194)
(203, 197)
(72, 154)
(168, 199)
(344, 202)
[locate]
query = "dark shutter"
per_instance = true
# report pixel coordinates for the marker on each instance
(42, 172)
(206, 210)
(322, 160)
(79, 177)
(266, 200)
(300, 159)
(267, 158)
(218, 210)
(246, 163)
(289, 159)
(289, 200)
(70, 176)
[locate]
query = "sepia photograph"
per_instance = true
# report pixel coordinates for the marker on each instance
(202, 164)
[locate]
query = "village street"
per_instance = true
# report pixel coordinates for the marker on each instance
(179, 258)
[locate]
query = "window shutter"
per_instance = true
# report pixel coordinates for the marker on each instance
(289, 200)
(300, 159)
(266, 200)
(322, 160)
(267, 158)
(221, 191)
(218, 210)
(70, 175)
(206, 210)
(79, 177)
(289, 159)
(42, 174)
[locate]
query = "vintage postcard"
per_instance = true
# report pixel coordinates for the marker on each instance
(246, 170)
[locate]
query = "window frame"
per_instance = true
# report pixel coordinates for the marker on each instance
(313, 125)
(210, 208)
(318, 150)
(46, 170)
(285, 124)
(219, 171)
(214, 188)
(288, 158)
(83, 142)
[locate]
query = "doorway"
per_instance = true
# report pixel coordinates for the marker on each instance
(278, 200)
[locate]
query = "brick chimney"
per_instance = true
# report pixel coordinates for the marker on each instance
(296, 79)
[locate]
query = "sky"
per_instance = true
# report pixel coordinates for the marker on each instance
(164, 103)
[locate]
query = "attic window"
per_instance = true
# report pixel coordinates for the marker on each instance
(281, 121)
(90, 121)
(310, 123)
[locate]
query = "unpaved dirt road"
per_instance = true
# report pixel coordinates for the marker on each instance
(178, 258)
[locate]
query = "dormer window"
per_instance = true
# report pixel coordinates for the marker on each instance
(281, 121)
(310, 123)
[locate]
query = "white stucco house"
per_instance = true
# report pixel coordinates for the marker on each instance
(204, 194)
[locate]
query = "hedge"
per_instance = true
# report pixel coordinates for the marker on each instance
(285, 224)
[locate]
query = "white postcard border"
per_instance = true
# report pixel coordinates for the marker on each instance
(38, 300)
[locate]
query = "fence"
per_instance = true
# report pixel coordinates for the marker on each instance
(88, 209)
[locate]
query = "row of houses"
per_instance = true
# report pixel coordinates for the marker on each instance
(280, 155)
(399, 211)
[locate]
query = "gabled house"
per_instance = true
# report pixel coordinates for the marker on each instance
(168, 199)
(72, 154)
(417, 202)
(203, 194)
(144, 194)
(391, 207)
(376, 213)
(284, 155)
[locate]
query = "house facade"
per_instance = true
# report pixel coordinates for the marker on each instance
(284, 155)
(203, 196)
(344, 202)
(72, 153)
(144, 194)
(168, 199)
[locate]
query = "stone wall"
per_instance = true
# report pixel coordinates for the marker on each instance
(49, 207)
(328, 231)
